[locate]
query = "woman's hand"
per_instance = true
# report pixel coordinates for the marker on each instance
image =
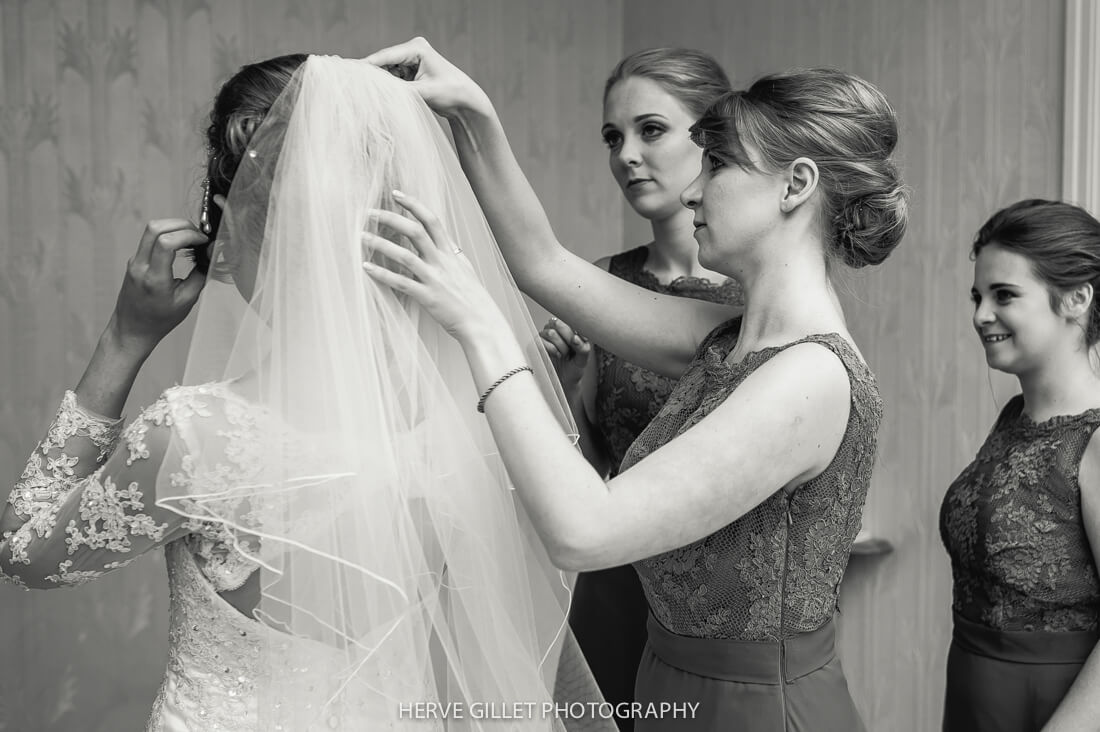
(152, 301)
(150, 304)
(439, 278)
(568, 350)
(444, 87)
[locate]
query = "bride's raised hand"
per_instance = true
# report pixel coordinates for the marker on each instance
(152, 301)
(443, 86)
(436, 274)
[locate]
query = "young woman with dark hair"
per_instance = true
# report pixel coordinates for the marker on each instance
(1021, 523)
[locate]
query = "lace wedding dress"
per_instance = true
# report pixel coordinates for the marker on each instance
(88, 492)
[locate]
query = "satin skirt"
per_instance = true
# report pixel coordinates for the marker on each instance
(796, 685)
(1009, 681)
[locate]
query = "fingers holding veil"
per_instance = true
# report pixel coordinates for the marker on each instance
(429, 223)
(442, 281)
(403, 55)
(444, 87)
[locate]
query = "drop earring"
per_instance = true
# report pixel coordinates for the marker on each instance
(204, 215)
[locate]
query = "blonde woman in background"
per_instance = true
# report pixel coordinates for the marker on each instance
(651, 99)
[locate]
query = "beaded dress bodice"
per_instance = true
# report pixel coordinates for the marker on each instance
(213, 654)
(774, 572)
(218, 659)
(628, 396)
(1012, 524)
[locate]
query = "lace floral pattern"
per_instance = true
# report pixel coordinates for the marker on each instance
(775, 571)
(107, 518)
(628, 397)
(223, 551)
(73, 578)
(50, 476)
(110, 516)
(1012, 524)
(50, 471)
(72, 420)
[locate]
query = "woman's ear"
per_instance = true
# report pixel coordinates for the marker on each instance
(1077, 302)
(801, 178)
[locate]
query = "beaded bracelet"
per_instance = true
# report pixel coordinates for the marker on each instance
(498, 382)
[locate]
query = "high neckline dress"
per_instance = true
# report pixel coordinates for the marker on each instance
(1026, 595)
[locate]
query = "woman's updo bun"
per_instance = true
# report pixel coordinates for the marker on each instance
(841, 122)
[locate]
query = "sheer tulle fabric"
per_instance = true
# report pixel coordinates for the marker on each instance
(396, 565)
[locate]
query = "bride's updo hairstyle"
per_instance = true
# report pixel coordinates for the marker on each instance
(239, 108)
(842, 123)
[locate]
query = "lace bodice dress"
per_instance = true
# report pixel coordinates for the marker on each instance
(1026, 596)
(1011, 522)
(91, 508)
(628, 396)
(775, 572)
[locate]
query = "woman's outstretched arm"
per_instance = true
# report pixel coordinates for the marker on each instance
(658, 332)
(780, 428)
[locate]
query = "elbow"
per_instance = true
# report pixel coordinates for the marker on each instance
(33, 574)
(26, 576)
(535, 262)
(526, 275)
(572, 561)
(33, 582)
(578, 550)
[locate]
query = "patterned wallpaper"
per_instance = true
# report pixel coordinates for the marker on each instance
(977, 85)
(101, 108)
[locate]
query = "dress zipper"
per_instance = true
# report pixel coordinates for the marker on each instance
(783, 614)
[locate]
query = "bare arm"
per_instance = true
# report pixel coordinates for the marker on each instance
(1080, 708)
(578, 370)
(658, 332)
(780, 427)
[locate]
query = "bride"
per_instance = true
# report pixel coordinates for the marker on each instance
(319, 482)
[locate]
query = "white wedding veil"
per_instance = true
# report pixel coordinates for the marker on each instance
(396, 564)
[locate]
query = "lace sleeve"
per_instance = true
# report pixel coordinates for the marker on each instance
(81, 509)
(76, 443)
